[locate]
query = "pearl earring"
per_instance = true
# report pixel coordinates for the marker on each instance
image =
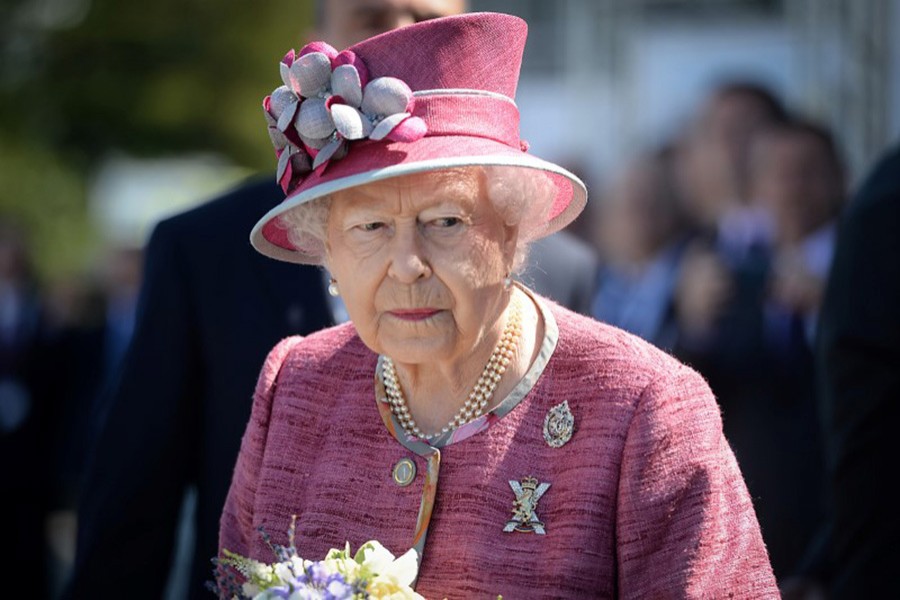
(507, 281)
(333, 288)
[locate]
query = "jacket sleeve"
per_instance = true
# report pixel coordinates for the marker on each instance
(686, 526)
(144, 452)
(238, 526)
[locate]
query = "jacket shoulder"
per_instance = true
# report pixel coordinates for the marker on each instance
(324, 349)
(590, 346)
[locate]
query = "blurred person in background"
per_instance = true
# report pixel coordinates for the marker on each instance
(798, 175)
(92, 323)
(76, 317)
(714, 162)
(21, 317)
(345, 22)
(797, 172)
(121, 281)
(642, 236)
(24, 371)
(723, 275)
(727, 264)
(749, 292)
(209, 311)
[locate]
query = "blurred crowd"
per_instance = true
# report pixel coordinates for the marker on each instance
(715, 246)
(60, 343)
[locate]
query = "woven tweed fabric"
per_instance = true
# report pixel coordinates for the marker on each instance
(476, 51)
(646, 500)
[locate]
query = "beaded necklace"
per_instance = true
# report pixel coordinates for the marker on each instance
(480, 395)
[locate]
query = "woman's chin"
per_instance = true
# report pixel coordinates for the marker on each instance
(416, 347)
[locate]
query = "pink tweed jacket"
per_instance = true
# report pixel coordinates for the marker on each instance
(645, 501)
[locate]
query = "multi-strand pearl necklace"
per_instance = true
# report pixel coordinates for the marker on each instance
(480, 395)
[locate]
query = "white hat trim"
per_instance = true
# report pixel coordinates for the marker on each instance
(264, 246)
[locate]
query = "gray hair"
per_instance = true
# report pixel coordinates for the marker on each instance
(517, 194)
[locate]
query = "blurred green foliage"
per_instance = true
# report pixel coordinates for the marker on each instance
(44, 194)
(83, 78)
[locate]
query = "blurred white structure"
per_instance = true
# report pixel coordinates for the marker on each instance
(128, 196)
(604, 78)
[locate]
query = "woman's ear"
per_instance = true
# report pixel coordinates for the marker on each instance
(510, 246)
(326, 256)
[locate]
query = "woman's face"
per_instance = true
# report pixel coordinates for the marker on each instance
(420, 263)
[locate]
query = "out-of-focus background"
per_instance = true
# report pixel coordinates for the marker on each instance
(114, 115)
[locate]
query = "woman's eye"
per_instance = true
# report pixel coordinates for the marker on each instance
(374, 226)
(447, 222)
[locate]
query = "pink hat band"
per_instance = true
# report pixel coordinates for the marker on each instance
(469, 113)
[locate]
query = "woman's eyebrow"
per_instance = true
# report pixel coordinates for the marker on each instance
(363, 212)
(451, 205)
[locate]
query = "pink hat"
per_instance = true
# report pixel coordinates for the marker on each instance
(431, 96)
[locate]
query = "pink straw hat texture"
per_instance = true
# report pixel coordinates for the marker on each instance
(427, 97)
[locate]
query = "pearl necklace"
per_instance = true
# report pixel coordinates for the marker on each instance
(480, 395)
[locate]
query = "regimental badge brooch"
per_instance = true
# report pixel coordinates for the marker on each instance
(525, 518)
(559, 425)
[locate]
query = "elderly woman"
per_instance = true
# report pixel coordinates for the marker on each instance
(521, 449)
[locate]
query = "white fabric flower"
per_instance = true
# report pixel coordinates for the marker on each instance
(327, 102)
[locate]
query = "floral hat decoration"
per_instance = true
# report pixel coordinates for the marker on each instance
(430, 96)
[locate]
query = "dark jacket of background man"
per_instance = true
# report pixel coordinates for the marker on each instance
(210, 309)
(859, 376)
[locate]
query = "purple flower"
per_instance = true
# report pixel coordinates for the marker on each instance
(281, 591)
(318, 574)
(338, 589)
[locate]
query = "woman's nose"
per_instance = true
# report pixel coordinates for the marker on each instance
(408, 261)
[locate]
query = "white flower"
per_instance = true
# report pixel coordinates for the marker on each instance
(284, 572)
(374, 557)
(392, 577)
(404, 569)
(347, 567)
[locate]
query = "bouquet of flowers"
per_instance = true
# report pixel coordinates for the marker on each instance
(372, 572)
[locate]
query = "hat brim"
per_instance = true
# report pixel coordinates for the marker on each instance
(368, 162)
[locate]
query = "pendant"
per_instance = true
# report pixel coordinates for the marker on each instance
(559, 425)
(525, 518)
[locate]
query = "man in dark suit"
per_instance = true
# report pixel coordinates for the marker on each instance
(858, 362)
(210, 309)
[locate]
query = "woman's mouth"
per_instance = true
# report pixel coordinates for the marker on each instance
(414, 314)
